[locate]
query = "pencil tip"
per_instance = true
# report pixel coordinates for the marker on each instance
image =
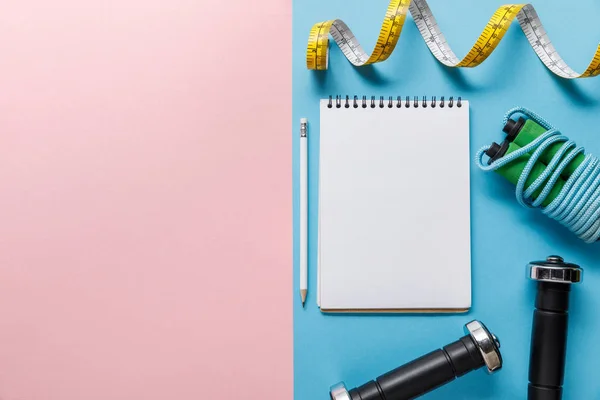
(303, 296)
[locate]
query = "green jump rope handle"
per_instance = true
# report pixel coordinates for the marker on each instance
(531, 131)
(519, 134)
(512, 171)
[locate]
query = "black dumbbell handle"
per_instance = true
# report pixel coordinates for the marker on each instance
(423, 374)
(548, 341)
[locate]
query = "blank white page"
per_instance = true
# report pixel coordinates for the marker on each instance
(394, 209)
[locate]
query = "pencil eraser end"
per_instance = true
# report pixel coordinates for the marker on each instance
(303, 121)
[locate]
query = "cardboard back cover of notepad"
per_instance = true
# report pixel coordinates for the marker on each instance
(394, 208)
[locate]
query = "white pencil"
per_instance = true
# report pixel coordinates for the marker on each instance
(303, 210)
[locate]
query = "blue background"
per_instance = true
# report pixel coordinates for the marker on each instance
(330, 348)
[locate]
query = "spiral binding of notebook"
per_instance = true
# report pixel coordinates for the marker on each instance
(391, 102)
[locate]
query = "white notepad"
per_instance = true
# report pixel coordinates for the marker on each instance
(394, 207)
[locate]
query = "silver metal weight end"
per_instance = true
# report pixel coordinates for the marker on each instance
(339, 392)
(488, 345)
(556, 270)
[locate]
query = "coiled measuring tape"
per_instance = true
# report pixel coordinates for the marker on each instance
(317, 51)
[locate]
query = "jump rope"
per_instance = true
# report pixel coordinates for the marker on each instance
(550, 171)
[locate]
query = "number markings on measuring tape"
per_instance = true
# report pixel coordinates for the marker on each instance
(317, 51)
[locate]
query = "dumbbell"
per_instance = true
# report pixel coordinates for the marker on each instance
(478, 348)
(550, 319)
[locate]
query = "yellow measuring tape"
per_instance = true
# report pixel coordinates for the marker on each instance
(317, 51)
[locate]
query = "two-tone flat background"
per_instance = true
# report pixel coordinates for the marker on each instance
(146, 173)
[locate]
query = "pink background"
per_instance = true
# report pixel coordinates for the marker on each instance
(145, 205)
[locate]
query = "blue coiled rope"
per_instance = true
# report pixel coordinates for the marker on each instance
(577, 206)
